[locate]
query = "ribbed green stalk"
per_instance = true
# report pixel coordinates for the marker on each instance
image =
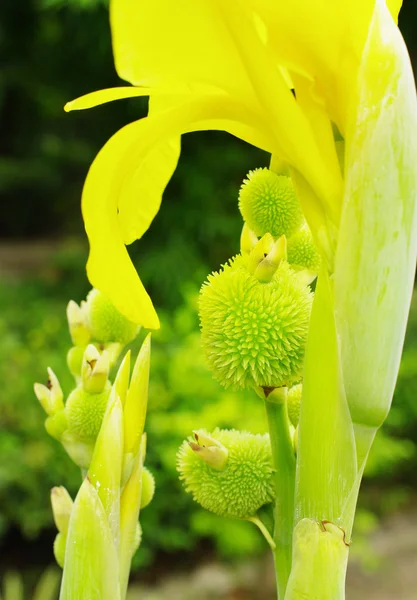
(284, 465)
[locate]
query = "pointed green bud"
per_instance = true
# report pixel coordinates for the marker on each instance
(248, 240)
(210, 450)
(105, 321)
(50, 395)
(148, 487)
(77, 323)
(106, 465)
(294, 403)
(134, 412)
(243, 485)
(267, 268)
(95, 370)
(121, 383)
(269, 204)
(254, 333)
(302, 252)
(61, 507)
(60, 544)
(85, 412)
(75, 361)
(260, 251)
(56, 425)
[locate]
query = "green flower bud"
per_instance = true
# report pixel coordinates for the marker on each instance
(301, 251)
(138, 538)
(148, 487)
(50, 395)
(95, 369)
(77, 323)
(85, 412)
(294, 403)
(61, 507)
(59, 549)
(269, 204)
(242, 486)
(254, 333)
(75, 360)
(106, 323)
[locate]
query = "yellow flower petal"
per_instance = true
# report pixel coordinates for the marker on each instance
(182, 45)
(115, 179)
(103, 96)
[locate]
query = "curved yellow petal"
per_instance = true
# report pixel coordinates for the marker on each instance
(182, 45)
(103, 96)
(115, 180)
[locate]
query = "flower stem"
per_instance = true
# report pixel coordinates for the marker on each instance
(284, 465)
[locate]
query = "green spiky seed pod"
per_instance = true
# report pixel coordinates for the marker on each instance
(60, 543)
(294, 403)
(302, 252)
(106, 323)
(85, 412)
(254, 333)
(148, 487)
(269, 204)
(242, 486)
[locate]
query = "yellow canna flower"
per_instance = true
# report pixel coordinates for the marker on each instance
(279, 75)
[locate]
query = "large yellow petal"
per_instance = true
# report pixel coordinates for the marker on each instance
(113, 181)
(182, 44)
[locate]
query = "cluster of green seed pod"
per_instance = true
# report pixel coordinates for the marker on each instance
(228, 472)
(99, 333)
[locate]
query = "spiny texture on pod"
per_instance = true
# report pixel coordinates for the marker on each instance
(105, 321)
(85, 412)
(302, 252)
(241, 486)
(254, 333)
(269, 204)
(294, 403)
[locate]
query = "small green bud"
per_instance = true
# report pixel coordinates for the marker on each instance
(248, 240)
(302, 252)
(254, 333)
(85, 412)
(77, 323)
(60, 544)
(56, 424)
(75, 360)
(105, 321)
(138, 538)
(210, 450)
(269, 204)
(243, 485)
(95, 370)
(148, 487)
(61, 507)
(50, 395)
(294, 403)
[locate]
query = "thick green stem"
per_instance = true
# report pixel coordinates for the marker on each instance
(284, 465)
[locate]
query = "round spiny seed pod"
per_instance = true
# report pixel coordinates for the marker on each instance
(294, 403)
(302, 252)
(241, 486)
(85, 412)
(148, 487)
(269, 204)
(254, 333)
(105, 321)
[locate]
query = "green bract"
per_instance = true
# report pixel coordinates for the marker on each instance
(269, 204)
(241, 486)
(254, 333)
(105, 322)
(301, 251)
(148, 487)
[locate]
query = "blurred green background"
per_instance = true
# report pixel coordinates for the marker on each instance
(53, 51)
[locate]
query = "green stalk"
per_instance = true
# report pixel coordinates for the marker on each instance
(284, 464)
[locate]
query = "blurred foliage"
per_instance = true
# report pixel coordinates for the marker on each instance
(16, 587)
(57, 50)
